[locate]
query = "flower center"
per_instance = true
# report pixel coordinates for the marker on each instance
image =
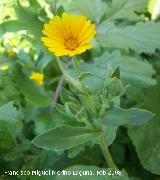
(71, 44)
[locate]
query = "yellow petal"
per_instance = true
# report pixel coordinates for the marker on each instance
(4, 67)
(37, 77)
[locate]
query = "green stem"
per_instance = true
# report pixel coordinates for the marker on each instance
(70, 79)
(105, 105)
(106, 152)
(102, 110)
(75, 63)
(61, 66)
(87, 123)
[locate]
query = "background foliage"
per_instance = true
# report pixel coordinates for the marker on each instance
(128, 36)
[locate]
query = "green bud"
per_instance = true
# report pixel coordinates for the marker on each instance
(115, 86)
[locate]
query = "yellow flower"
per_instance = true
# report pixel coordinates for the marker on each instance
(4, 67)
(11, 53)
(69, 35)
(38, 77)
(12, 42)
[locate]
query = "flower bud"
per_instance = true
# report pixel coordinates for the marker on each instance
(115, 86)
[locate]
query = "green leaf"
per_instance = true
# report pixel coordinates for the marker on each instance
(110, 134)
(65, 115)
(60, 11)
(118, 117)
(44, 121)
(6, 136)
(142, 37)
(25, 59)
(12, 26)
(34, 3)
(8, 112)
(146, 138)
(93, 9)
(74, 151)
(130, 67)
(154, 8)
(34, 93)
(62, 110)
(16, 152)
(126, 9)
(116, 73)
(91, 173)
(65, 137)
(10, 125)
(8, 90)
(65, 95)
(84, 75)
(31, 23)
(147, 144)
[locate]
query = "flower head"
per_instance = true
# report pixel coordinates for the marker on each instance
(69, 35)
(38, 77)
(11, 53)
(12, 42)
(4, 67)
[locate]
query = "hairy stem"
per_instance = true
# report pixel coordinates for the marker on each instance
(106, 152)
(77, 85)
(75, 62)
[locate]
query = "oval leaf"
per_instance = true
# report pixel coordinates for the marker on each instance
(118, 116)
(62, 138)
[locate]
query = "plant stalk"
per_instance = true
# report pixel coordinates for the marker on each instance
(106, 153)
(75, 62)
(70, 79)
